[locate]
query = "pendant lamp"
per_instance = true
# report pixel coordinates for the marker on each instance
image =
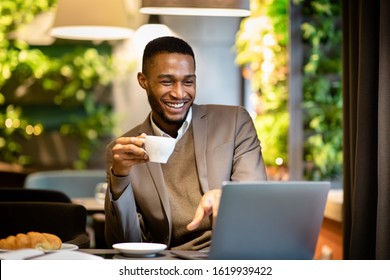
(147, 32)
(91, 20)
(229, 8)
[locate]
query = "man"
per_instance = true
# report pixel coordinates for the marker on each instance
(175, 203)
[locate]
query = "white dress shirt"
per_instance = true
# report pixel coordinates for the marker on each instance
(158, 132)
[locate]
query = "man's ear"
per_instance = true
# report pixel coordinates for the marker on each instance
(141, 80)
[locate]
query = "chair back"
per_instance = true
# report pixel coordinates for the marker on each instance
(74, 183)
(66, 220)
(21, 194)
(12, 179)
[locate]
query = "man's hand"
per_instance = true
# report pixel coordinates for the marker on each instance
(208, 205)
(127, 152)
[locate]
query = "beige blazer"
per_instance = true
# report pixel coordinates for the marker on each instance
(226, 149)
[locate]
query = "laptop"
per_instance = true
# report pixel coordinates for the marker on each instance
(273, 220)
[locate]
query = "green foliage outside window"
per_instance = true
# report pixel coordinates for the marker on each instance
(261, 47)
(67, 83)
(322, 100)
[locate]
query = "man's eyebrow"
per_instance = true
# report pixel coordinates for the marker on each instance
(173, 76)
(165, 76)
(190, 76)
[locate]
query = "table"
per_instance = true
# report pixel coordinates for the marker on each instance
(90, 203)
(114, 254)
(334, 205)
(96, 219)
(330, 239)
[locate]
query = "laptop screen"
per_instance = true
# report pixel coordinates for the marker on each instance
(269, 220)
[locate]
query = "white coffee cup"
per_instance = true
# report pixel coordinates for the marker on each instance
(159, 149)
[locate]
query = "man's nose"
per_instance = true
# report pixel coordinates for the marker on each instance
(178, 91)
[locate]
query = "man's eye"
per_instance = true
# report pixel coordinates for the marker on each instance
(189, 82)
(166, 83)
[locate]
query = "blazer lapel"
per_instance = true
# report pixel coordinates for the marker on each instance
(157, 176)
(199, 123)
(158, 180)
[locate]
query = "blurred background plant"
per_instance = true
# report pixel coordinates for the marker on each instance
(70, 82)
(61, 87)
(322, 88)
(261, 48)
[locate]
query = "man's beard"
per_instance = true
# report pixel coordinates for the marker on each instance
(155, 105)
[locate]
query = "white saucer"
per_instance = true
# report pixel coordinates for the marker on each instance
(137, 249)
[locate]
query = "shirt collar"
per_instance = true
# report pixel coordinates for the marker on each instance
(183, 129)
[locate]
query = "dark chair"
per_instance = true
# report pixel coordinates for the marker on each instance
(11, 179)
(74, 183)
(66, 220)
(20, 194)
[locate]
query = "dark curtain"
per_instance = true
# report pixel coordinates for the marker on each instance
(366, 128)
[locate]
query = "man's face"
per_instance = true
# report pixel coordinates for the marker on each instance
(170, 84)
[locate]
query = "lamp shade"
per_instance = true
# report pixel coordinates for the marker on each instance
(91, 20)
(232, 8)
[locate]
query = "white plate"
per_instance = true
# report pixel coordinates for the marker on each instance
(64, 246)
(139, 248)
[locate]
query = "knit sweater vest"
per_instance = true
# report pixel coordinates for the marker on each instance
(182, 182)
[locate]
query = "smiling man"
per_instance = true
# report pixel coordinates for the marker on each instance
(175, 203)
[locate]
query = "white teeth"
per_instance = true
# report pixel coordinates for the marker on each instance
(175, 105)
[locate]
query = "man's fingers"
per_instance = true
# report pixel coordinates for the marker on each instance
(199, 215)
(128, 151)
(138, 141)
(216, 200)
(209, 204)
(204, 209)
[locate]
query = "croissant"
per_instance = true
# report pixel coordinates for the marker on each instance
(36, 240)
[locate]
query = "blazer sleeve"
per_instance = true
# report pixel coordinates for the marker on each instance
(121, 217)
(122, 221)
(233, 150)
(248, 163)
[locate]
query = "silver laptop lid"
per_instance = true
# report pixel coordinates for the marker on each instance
(269, 220)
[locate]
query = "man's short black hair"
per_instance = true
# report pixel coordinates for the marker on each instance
(167, 44)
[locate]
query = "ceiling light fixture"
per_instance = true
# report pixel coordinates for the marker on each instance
(228, 8)
(91, 20)
(147, 32)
